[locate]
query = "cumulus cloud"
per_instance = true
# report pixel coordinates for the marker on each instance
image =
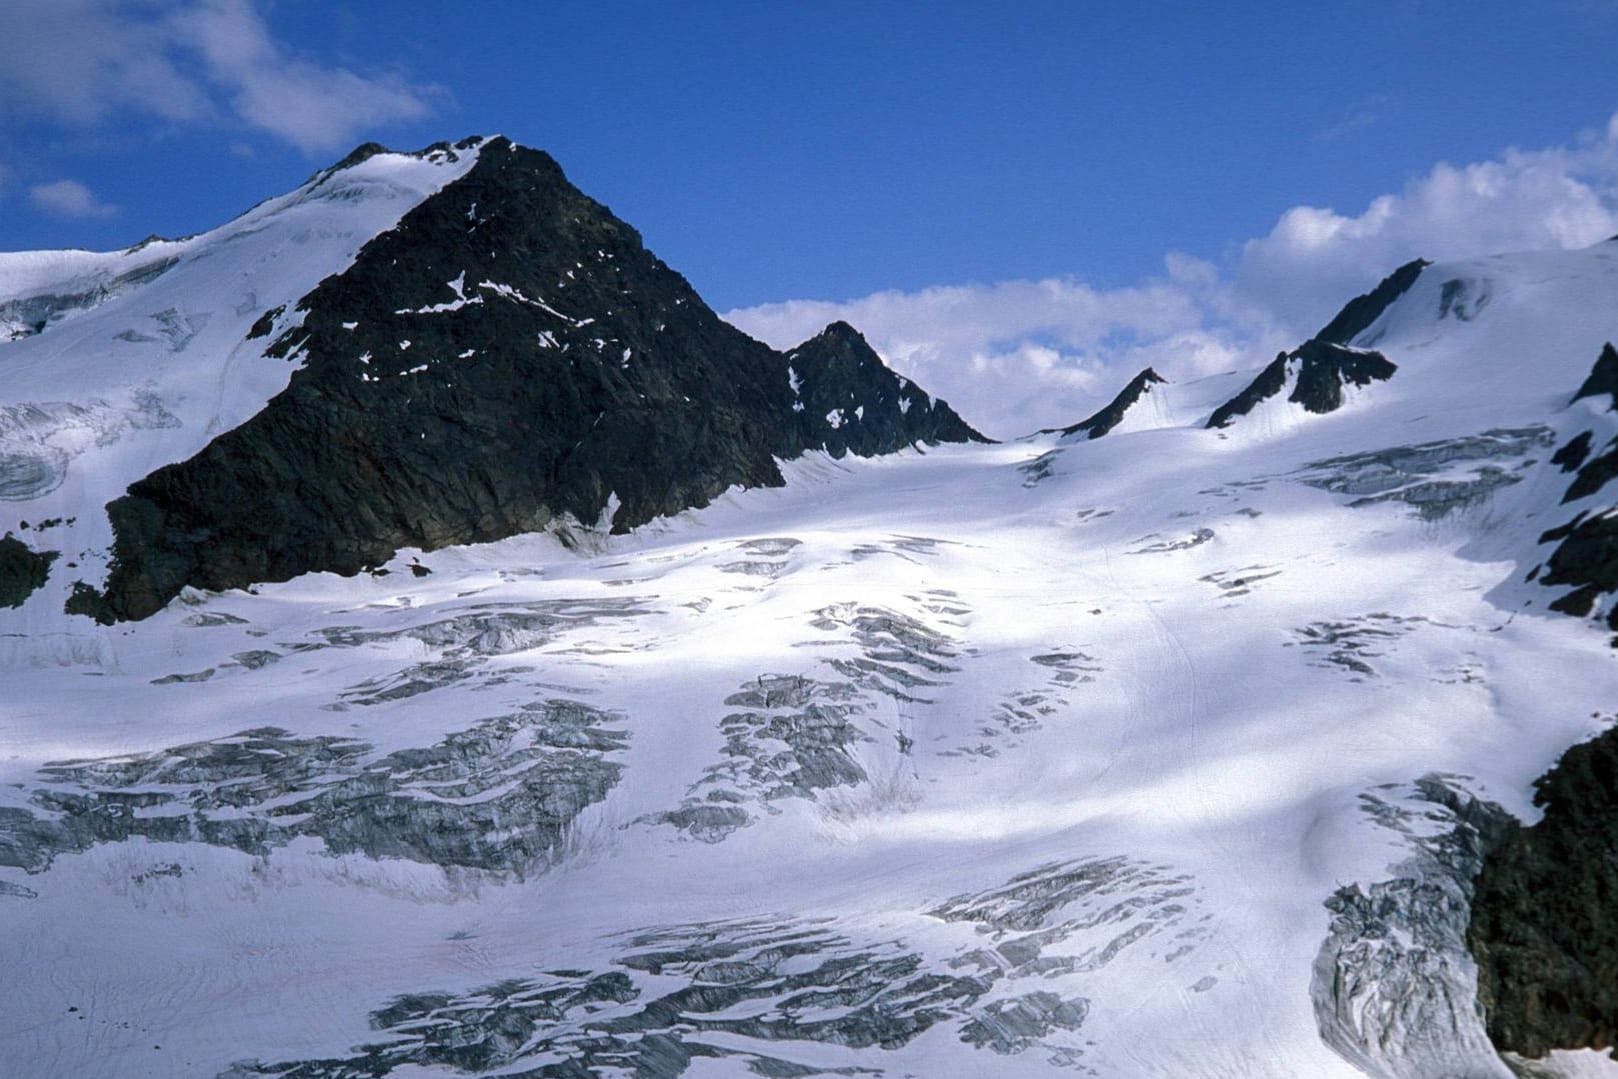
(83, 62)
(69, 198)
(311, 106)
(1020, 355)
(1313, 258)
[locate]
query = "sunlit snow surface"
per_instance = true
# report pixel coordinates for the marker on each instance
(1039, 758)
(147, 357)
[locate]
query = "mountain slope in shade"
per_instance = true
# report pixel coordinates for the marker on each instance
(851, 403)
(1184, 751)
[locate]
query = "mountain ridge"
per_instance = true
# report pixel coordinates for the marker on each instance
(348, 463)
(1185, 750)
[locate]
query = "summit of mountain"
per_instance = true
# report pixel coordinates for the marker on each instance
(500, 354)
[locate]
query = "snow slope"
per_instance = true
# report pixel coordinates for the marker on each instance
(1042, 758)
(146, 354)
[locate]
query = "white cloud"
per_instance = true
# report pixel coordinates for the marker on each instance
(69, 198)
(1314, 259)
(1019, 355)
(313, 107)
(84, 62)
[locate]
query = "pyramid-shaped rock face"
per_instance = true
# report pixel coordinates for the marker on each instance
(509, 353)
(1113, 414)
(1362, 311)
(1326, 363)
(1603, 378)
(848, 401)
(1318, 370)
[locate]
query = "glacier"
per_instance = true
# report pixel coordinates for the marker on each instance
(1173, 752)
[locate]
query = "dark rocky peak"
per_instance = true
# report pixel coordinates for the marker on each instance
(1270, 381)
(1594, 474)
(1326, 368)
(508, 354)
(1603, 377)
(22, 570)
(849, 401)
(1322, 369)
(1359, 313)
(438, 151)
(1586, 554)
(1113, 414)
(363, 152)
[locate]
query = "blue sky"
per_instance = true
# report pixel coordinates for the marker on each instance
(1118, 159)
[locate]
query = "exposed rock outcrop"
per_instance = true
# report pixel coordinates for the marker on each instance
(508, 355)
(1113, 414)
(1603, 377)
(1324, 363)
(849, 401)
(22, 570)
(1542, 927)
(1322, 369)
(1359, 313)
(1269, 382)
(1586, 554)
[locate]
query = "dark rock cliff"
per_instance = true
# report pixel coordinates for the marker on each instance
(1113, 414)
(1542, 927)
(509, 353)
(1603, 377)
(22, 570)
(1586, 554)
(1270, 381)
(848, 401)
(1323, 370)
(1324, 362)
(1359, 313)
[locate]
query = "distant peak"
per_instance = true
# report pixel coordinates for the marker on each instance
(1322, 369)
(437, 152)
(366, 150)
(1111, 416)
(363, 152)
(1359, 313)
(152, 238)
(1603, 378)
(842, 331)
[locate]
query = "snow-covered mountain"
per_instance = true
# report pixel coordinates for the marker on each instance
(434, 644)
